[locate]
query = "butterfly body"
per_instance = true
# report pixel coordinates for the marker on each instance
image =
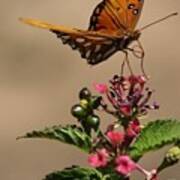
(111, 29)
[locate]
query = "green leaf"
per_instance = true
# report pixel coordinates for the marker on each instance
(154, 136)
(111, 174)
(75, 173)
(69, 135)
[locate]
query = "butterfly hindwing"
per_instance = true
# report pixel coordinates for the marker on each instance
(93, 46)
(93, 49)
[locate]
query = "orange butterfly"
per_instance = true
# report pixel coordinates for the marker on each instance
(111, 29)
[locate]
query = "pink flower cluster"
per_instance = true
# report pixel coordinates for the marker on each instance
(100, 159)
(130, 99)
(128, 95)
(124, 165)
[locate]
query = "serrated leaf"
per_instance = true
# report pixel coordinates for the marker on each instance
(111, 174)
(154, 136)
(69, 135)
(75, 173)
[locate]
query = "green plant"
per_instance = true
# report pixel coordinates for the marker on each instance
(114, 152)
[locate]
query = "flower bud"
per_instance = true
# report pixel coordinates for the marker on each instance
(173, 155)
(93, 121)
(84, 103)
(133, 129)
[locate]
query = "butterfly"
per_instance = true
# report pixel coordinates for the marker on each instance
(111, 29)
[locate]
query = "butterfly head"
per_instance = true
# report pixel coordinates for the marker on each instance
(128, 38)
(135, 35)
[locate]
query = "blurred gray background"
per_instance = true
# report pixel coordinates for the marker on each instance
(40, 80)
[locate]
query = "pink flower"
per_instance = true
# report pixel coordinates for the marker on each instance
(99, 159)
(126, 110)
(125, 165)
(101, 88)
(133, 129)
(116, 138)
(138, 79)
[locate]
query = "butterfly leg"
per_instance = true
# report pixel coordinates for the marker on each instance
(122, 67)
(126, 60)
(142, 59)
(138, 52)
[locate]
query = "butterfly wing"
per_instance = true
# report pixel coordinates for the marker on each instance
(94, 49)
(134, 9)
(93, 46)
(116, 16)
(110, 21)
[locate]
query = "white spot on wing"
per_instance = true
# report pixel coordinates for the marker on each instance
(98, 47)
(80, 40)
(88, 53)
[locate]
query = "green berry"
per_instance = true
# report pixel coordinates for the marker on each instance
(84, 93)
(78, 111)
(93, 122)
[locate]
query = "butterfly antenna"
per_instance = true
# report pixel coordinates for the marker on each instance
(158, 21)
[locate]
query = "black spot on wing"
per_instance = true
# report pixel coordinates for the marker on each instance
(135, 12)
(131, 6)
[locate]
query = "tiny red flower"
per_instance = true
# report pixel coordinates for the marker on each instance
(115, 138)
(101, 88)
(125, 165)
(133, 129)
(126, 110)
(99, 159)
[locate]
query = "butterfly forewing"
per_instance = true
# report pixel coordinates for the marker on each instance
(114, 16)
(106, 17)
(134, 8)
